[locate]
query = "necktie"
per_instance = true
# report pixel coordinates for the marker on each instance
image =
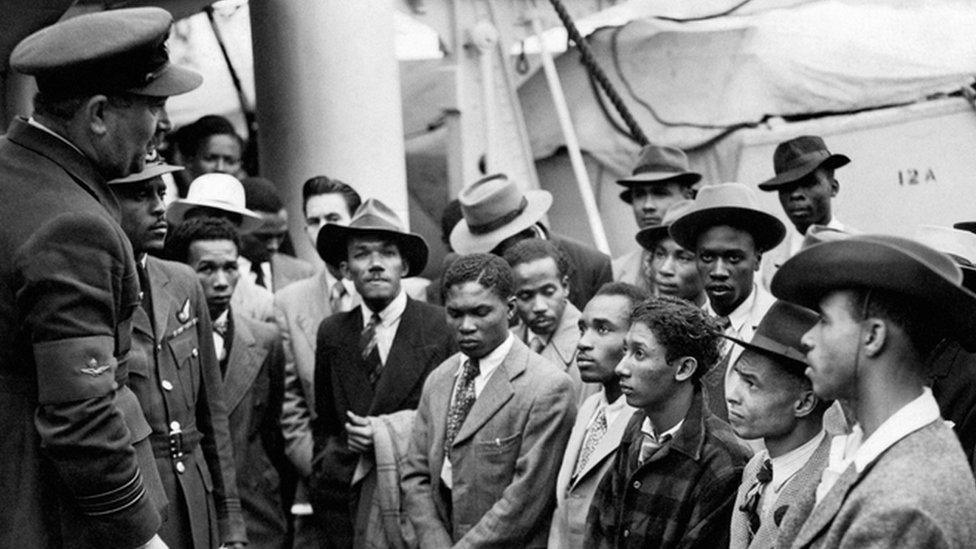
(219, 332)
(537, 345)
(145, 293)
(370, 354)
(336, 293)
(464, 398)
(650, 446)
(258, 274)
(751, 505)
(593, 436)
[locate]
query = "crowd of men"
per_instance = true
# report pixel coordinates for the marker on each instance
(172, 377)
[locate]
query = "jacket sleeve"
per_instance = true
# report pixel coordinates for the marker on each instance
(271, 433)
(528, 501)
(296, 415)
(212, 423)
(74, 271)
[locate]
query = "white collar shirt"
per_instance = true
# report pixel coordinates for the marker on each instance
(648, 429)
(796, 238)
(612, 409)
(45, 129)
(347, 300)
(389, 322)
(785, 467)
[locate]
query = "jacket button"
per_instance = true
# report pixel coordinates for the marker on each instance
(180, 468)
(637, 485)
(167, 386)
(175, 426)
(159, 348)
(194, 353)
(626, 533)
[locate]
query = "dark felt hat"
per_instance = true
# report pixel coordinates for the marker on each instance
(648, 237)
(731, 204)
(372, 218)
(110, 51)
(883, 262)
(659, 165)
(798, 157)
(779, 333)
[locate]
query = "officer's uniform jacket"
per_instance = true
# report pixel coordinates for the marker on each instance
(174, 372)
(68, 286)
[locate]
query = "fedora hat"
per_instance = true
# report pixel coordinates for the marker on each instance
(883, 262)
(779, 333)
(372, 218)
(494, 208)
(219, 191)
(648, 237)
(958, 244)
(799, 156)
(659, 165)
(151, 171)
(731, 204)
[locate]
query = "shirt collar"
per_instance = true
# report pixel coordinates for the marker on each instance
(223, 316)
(910, 418)
(330, 281)
(788, 464)
(742, 313)
(648, 429)
(44, 128)
(614, 406)
(488, 363)
(796, 237)
(391, 313)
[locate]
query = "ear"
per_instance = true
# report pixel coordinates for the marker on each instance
(805, 404)
(685, 368)
(510, 302)
(688, 192)
(874, 336)
(834, 186)
(404, 267)
(758, 261)
(95, 110)
(565, 282)
(344, 269)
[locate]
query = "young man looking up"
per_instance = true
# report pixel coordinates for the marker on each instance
(770, 399)
(675, 475)
(602, 417)
(480, 471)
(900, 478)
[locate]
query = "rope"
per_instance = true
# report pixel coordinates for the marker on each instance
(601, 77)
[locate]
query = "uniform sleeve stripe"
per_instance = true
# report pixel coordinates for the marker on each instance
(115, 500)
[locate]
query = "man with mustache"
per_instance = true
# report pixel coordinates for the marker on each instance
(602, 417)
(369, 362)
(548, 322)
(729, 232)
(660, 179)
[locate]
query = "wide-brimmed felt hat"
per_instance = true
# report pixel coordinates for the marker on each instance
(219, 191)
(373, 217)
(111, 51)
(731, 204)
(958, 244)
(893, 264)
(779, 333)
(798, 157)
(151, 170)
(648, 237)
(659, 165)
(494, 208)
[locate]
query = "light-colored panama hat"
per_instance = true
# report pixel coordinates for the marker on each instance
(958, 244)
(731, 204)
(150, 171)
(494, 209)
(219, 191)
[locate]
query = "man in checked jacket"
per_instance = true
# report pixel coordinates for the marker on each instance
(675, 475)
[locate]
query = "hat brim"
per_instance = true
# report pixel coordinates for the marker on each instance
(150, 172)
(786, 356)
(833, 161)
(176, 212)
(969, 226)
(650, 236)
(766, 229)
(332, 244)
(174, 80)
(684, 178)
(858, 263)
(465, 242)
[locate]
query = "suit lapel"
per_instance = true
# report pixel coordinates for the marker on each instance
(316, 308)
(162, 302)
(824, 512)
(496, 393)
(609, 443)
(739, 529)
(141, 323)
(566, 337)
(575, 446)
(402, 368)
(243, 364)
(349, 366)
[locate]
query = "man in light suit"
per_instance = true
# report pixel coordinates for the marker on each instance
(370, 361)
(480, 470)
(299, 309)
(252, 362)
(602, 417)
(548, 322)
(900, 478)
(770, 399)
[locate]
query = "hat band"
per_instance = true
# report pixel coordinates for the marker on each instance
(499, 222)
(645, 168)
(802, 160)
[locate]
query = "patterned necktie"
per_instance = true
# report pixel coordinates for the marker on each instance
(593, 436)
(536, 344)
(370, 354)
(751, 505)
(219, 333)
(650, 446)
(464, 398)
(336, 293)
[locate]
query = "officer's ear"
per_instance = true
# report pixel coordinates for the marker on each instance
(95, 114)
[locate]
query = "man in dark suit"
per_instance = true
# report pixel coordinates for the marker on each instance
(370, 361)
(252, 362)
(492, 424)
(498, 215)
(173, 373)
(69, 472)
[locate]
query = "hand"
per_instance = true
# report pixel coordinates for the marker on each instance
(155, 543)
(359, 433)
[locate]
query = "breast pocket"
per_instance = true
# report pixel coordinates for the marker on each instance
(185, 352)
(496, 458)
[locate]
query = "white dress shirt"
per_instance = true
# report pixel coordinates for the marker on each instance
(796, 239)
(389, 322)
(785, 467)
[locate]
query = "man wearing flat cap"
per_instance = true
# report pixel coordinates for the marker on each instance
(370, 362)
(806, 186)
(660, 179)
(69, 473)
(771, 399)
(498, 215)
(729, 232)
(900, 479)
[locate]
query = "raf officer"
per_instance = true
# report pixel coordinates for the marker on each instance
(70, 474)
